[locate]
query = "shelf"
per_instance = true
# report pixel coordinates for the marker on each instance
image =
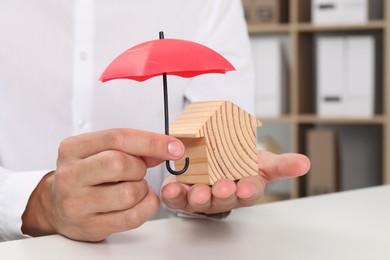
(256, 29)
(280, 119)
(372, 25)
(365, 140)
(313, 119)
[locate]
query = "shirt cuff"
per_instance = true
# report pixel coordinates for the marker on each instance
(214, 216)
(14, 195)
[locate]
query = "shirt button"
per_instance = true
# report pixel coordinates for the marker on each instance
(83, 55)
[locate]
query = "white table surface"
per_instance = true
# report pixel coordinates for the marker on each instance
(346, 225)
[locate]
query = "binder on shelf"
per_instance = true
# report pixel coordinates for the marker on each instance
(360, 83)
(270, 73)
(340, 11)
(321, 147)
(345, 76)
(330, 76)
(324, 11)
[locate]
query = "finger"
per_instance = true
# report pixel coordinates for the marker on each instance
(174, 195)
(115, 197)
(249, 190)
(224, 195)
(273, 166)
(110, 166)
(131, 141)
(199, 198)
(151, 162)
(119, 221)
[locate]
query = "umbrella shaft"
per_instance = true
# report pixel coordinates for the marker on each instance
(166, 112)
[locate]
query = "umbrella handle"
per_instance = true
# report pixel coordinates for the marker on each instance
(187, 162)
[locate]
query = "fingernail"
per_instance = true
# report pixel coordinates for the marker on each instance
(175, 148)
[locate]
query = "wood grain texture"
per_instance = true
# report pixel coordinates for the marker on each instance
(220, 140)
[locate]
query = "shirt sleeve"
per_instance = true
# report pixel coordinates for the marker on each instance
(194, 215)
(15, 191)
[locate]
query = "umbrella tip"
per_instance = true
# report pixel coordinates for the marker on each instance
(161, 35)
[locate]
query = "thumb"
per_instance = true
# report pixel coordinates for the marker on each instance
(174, 150)
(274, 166)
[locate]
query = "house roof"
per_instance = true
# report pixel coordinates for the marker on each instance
(191, 123)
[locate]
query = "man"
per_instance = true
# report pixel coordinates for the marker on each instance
(51, 57)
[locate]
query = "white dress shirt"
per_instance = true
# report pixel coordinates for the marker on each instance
(52, 54)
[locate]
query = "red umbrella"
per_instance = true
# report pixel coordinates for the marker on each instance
(166, 57)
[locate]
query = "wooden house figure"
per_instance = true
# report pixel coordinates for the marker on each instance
(220, 141)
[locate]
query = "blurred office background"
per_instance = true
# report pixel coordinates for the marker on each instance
(322, 90)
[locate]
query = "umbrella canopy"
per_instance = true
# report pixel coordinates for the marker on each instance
(166, 57)
(171, 56)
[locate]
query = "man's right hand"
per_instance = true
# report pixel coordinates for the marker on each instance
(98, 187)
